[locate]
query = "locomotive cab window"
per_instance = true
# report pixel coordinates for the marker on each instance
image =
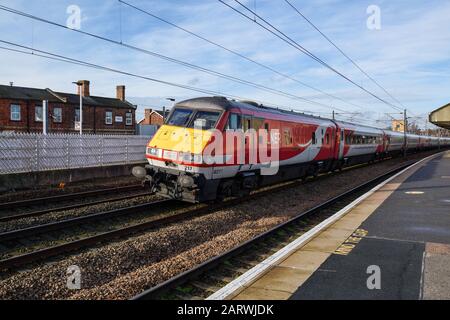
(179, 117)
(258, 124)
(313, 139)
(247, 123)
(234, 122)
(205, 119)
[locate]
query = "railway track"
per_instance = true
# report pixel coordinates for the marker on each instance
(33, 207)
(27, 203)
(38, 213)
(207, 278)
(52, 232)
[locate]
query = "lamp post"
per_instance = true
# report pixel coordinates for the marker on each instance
(80, 90)
(164, 109)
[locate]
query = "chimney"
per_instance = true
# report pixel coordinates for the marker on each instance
(84, 86)
(120, 93)
(148, 113)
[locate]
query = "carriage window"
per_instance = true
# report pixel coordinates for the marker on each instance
(180, 117)
(314, 141)
(328, 138)
(258, 123)
(287, 137)
(206, 119)
(234, 122)
(247, 123)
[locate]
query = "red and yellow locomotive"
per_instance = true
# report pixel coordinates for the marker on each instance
(210, 148)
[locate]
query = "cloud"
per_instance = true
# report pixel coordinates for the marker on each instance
(408, 56)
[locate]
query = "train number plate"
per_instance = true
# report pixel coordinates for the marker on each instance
(170, 155)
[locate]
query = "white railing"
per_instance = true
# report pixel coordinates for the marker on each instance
(29, 152)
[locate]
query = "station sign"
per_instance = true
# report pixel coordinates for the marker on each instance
(119, 119)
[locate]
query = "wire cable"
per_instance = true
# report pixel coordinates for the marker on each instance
(281, 35)
(342, 52)
(160, 56)
(62, 58)
(235, 53)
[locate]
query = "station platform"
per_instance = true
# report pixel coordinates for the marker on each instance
(393, 244)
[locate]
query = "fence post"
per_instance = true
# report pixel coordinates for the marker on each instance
(102, 150)
(67, 151)
(36, 153)
(127, 150)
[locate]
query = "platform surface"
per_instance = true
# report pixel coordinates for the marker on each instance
(393, 245)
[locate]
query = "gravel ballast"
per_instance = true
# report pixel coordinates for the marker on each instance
(125, 268)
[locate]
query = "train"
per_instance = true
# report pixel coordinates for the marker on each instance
(211, 148)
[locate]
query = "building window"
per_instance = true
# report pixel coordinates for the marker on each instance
(57, 115)
(38, 114)
(108, 117)
(15, 112)
(77, 115)
(129, 119)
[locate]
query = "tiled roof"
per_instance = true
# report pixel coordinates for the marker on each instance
(21, 93)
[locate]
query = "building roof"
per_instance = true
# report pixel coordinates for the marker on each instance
(22, 93)
(441, 117)
(159, 113)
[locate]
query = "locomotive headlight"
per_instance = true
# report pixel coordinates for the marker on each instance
(186, 181)
(191, 158)
(152, 151)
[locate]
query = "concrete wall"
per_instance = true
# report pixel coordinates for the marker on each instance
(35, 179)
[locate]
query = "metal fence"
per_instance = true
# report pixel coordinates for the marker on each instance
(23, 152)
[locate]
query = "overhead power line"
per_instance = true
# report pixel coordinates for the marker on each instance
(61, 58)
(281, 35)
(176, 61)
(240, 55)
(342, 52)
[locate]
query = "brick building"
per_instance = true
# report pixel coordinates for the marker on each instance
(21, 111)
(153, 117)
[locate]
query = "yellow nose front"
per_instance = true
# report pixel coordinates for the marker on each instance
(181, 139)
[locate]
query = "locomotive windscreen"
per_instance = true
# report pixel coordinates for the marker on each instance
(206, 119)
(180, 117)
(190, 118)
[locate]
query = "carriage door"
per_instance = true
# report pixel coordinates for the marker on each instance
(341, 144)
(247, 124)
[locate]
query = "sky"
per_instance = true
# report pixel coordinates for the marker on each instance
(408, 53)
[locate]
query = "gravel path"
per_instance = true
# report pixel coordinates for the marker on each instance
(122, 269)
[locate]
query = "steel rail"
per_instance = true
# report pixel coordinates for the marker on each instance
(27, 258)
(69, 207)
(172, 283)
(64, 197)
(20, 260)
(52, 226)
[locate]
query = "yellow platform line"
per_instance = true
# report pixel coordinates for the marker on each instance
(279, 276)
